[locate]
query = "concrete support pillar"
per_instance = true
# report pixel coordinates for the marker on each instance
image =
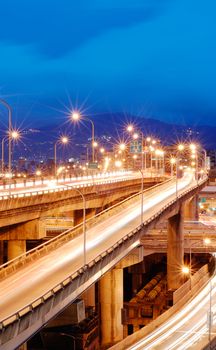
(111, 301)
(16, 248)
(175, 250)
(192, 209)
(89, 296)
(1, 252)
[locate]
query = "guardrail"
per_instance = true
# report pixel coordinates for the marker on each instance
(18, 262)
(62, 188)
(62, 237)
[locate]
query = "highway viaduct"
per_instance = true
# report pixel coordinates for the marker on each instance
(171, 208)
(23, 216)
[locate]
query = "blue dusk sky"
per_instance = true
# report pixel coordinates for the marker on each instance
(149, 58)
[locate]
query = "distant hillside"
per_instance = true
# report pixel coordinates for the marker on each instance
(38, 143)
(114, 124)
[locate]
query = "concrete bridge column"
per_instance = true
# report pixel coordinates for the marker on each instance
(175, 250)
(89, 296)
(16, 248)
(111, 302)
(192, 209)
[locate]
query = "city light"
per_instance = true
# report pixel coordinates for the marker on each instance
(118, 163)
(173, 160)
(206, 241)
(185, 270)
(75, 116)
(130, 128)
(181, 147)
(15, 134)
(122, 146)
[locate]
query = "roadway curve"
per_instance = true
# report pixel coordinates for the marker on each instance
(187, 329)
(37, 278)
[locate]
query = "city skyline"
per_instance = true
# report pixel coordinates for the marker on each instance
(145, 58)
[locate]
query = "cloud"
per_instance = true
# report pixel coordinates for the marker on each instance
(57, 27)
(129, 55)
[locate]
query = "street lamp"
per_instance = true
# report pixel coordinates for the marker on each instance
(84, 219)
(136, 136)
(180, 148)
(63, 140)
(2, 151)
(130, 128)
(15, 135)
(172, 162)
(77, 116)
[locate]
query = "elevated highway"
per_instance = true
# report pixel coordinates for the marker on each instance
(33, 202)
(195, 235)
(39, 284)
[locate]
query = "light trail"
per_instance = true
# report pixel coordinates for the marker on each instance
(38, 277)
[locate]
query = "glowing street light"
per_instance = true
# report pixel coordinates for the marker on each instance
(130, 128)
(135, 136)
(77, 116)
(63, 140)
(118, 163)
(181, 147)
(122, 147)
(15, 135)
(172, 162)
(192, 147)
(185, 270)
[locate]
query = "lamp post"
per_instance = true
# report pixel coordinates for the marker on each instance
(180, 148)
(2, 149)
(15, 135)
(63, 140)
(172, 162)
(136, 136)
(84, 219)
(4, 103)
(76, 116)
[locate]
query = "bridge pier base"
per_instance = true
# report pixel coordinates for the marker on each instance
(89, 296)
(175, 250)
(111, 302)
(191, 209)
(16, 248)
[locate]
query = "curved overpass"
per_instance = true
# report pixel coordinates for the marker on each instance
(39, 284)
